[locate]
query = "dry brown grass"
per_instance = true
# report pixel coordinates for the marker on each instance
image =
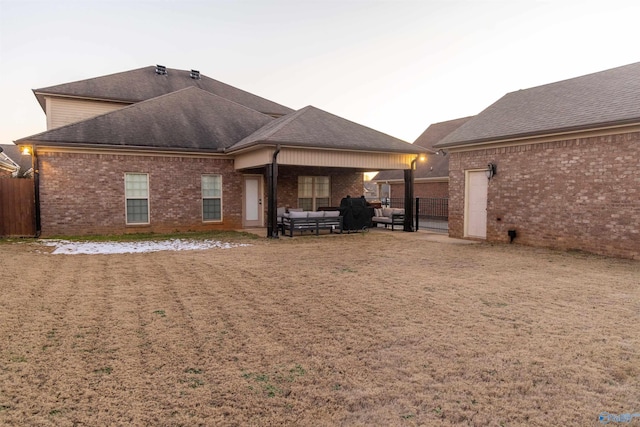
(364, 329)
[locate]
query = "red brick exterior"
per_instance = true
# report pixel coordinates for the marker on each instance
(579, 194)
(422, 189)
(343, 182)
(84, 193)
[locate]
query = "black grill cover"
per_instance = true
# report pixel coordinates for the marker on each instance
(356, 214)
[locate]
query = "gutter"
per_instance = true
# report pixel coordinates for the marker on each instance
(529, 136)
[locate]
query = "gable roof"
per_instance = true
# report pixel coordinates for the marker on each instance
(606, 98)
(189, 119)
(144, 83)
(314, 128)
(437, 131)
(437, 165)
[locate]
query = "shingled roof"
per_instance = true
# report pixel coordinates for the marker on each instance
(144, 83)
(314, 128)
(436, 166)
(189, 119)
(606, 98)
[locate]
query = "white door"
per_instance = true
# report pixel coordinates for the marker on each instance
(252, 206)
(475, 217)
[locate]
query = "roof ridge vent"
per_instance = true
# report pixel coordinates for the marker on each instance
(161, 70)
(195, 74)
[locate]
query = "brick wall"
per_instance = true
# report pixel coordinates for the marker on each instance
(569, 194)
(84, 193)
(422, 190)
(343, 182)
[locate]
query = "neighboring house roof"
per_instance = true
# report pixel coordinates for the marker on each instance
(606, 98)
(144, 83)
(314, 128)
(11, 159)
(188, 119)
(7, 164)
(437, 165)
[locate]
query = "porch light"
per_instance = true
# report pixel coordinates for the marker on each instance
(491, 170)
(26, 150)
(422, 157)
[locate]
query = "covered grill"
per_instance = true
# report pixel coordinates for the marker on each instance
(356, 214)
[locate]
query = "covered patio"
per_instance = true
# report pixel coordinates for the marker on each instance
(311, 160)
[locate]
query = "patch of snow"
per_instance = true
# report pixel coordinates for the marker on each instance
(66, 247)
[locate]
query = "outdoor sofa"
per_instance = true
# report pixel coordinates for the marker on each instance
(291, 220)
(388, 216)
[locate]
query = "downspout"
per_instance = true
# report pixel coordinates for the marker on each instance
(272, 214)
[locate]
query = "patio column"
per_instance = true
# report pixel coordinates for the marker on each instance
(272, 206)
(408, 198)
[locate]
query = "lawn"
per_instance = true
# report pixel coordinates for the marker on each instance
(382, 328)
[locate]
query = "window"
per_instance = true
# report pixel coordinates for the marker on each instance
(211, 197)
(137, 197)
(313, 192)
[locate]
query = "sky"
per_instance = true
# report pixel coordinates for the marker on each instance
(396, 66)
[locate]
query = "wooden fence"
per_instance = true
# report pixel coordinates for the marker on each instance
(17, 208)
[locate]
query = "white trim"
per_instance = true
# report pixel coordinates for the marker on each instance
(314, 195)
(46, 95)
(124, 151)
(126, 213)
(539, 139)
(202, 198)
(366, 160)
(467, 175)
(261, 196)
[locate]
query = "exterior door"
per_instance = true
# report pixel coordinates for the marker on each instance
(252, 203)
(475, 218)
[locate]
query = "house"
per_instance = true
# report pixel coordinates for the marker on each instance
(431, 177)
(556, 166)
(162, 150)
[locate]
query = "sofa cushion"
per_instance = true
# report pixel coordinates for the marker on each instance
(331, 214)
(295, 214)
(319, 214)
(377, 212)
(382, 219)
(387, 211)
(397, 211)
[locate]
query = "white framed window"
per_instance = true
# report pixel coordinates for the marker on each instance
(313, 192)
(212, 197)
(136, 189)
